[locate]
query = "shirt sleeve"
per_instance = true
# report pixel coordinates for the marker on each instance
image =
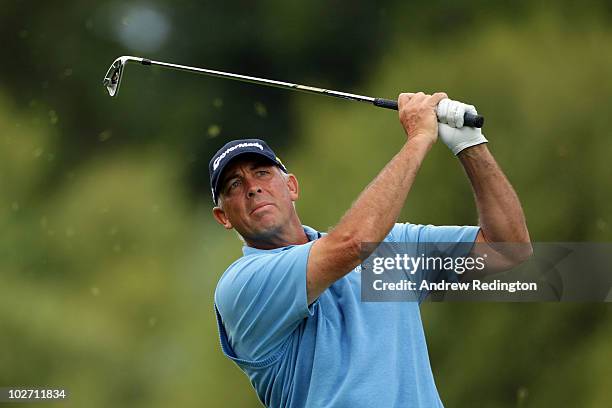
(435, 241)
(433, 234)
(262, 299)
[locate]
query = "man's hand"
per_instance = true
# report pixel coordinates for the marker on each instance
(451, 129)
(417, 113)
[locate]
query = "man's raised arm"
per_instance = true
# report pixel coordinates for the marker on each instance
(375, 211)
(503, 231)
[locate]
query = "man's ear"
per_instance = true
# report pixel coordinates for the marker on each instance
(294, 188)
(221, 218)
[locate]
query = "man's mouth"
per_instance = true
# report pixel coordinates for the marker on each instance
(260, 206)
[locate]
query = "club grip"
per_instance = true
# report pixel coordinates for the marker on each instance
(385, 103)
(469, 119)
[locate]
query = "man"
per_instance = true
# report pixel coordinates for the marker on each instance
(289, 311)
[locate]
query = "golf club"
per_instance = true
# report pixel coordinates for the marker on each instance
(112, 80)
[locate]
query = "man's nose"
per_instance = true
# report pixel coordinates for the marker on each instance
(253, 188)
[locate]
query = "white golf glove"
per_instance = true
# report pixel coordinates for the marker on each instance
(450, 129)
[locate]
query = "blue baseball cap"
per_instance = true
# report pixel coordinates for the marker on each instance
(230, 151)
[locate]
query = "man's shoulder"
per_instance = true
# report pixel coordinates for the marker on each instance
(404, 232)
(239, 268)
(250, 265)
(234, 276)
(419, 233)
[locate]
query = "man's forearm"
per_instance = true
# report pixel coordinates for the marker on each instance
(377, 208)
(500, 214)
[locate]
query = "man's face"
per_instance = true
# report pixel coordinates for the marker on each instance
(255, 197)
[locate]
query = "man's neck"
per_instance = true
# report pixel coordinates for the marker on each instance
(293, 234)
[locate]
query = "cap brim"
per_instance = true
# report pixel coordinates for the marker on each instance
(232, 158)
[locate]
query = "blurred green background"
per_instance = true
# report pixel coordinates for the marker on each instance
(109, 255)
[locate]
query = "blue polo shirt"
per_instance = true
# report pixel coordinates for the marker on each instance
(336, 352)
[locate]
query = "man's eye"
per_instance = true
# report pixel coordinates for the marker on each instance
(262, 172)
(234, 184)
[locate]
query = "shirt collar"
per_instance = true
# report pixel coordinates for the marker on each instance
(311, 233)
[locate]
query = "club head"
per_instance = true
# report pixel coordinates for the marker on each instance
(112, 79)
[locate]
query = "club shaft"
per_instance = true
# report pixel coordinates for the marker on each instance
(113, 79)
(261, 81)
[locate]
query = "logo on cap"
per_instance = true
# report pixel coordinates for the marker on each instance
(231, 149)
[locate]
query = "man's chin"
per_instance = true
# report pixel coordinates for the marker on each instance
(265, 218)
(266, 229)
